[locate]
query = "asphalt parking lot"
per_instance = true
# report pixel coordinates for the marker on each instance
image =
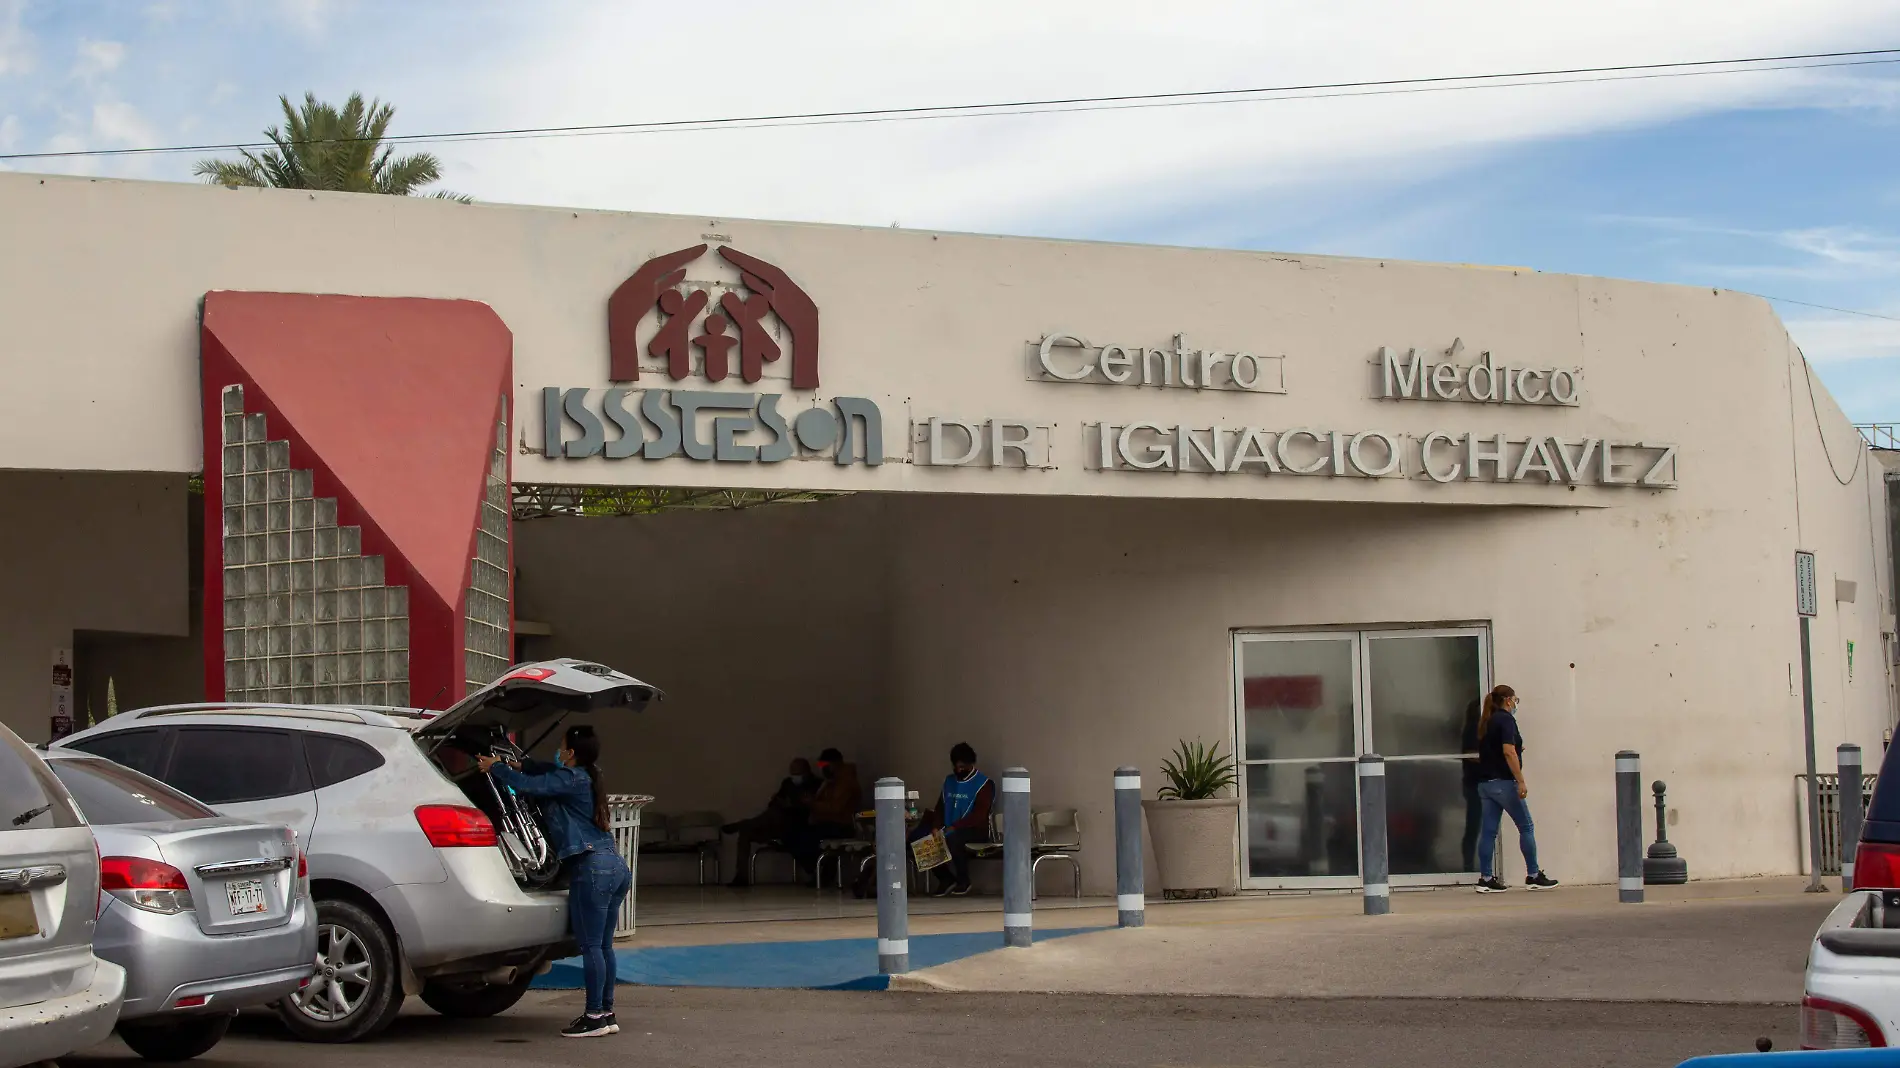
(794, 1029)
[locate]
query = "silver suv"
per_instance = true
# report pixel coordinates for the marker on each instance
(417, 892)
(55, 996)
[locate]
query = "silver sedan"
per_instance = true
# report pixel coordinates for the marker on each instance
(207, 914)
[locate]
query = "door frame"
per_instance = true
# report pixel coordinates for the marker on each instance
(1359, 636)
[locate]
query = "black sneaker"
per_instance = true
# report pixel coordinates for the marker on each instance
(959, 889)
(585, 1026)
(1540, 881)
(1493, 885)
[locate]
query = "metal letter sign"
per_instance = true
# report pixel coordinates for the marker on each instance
(1804, 597)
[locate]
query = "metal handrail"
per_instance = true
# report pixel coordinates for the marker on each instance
(1880, 435)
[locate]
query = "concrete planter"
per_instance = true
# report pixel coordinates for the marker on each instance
(1194, 843)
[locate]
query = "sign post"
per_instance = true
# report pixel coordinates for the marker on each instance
(1805, 605)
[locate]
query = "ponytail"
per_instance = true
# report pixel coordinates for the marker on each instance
(586, 748)
(1492, 702)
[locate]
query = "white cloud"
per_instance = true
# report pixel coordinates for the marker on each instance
(310, 16)
(1064, 173)
(119, 123)
(1831, 338)
(16, 44)
(97, 58)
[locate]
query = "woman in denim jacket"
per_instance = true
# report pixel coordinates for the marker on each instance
(574, 802)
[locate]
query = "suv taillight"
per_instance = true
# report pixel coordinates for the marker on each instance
(146, 884)
(450, 826)
(1877, 866)
(1831, 1025)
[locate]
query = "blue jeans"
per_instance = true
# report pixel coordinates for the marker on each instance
(600, 883)
(1500, 796)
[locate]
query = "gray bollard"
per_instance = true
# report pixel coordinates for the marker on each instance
(1629, 828)
(1131, 905)
(1019, 878)
(1847, 758)
(893, 867)
(1375, 868)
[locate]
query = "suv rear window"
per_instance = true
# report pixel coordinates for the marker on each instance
(110, 794)
(334, 760)
(30, 798)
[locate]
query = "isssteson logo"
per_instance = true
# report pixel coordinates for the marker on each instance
(686, 315)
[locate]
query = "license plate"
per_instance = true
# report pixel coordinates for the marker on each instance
(246, 896)
(16, 916)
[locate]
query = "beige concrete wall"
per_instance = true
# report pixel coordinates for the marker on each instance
(765, 627)
(85, 552)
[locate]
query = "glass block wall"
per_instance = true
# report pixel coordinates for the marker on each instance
(489, 626)
(307, 616)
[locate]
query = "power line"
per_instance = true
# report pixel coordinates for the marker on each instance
(1059, 105)
(1830, 307)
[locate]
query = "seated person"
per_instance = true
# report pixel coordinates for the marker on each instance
(834, 808)
(784, 817)
(963, 812)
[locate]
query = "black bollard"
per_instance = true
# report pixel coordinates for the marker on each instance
(1662, 867)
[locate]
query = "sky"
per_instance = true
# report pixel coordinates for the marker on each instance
(1783, 183)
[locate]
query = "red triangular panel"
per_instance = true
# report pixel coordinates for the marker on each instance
(396, 396)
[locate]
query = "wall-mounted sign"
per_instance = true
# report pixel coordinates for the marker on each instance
(61, 723)
(1439, 456)
(1061, 357)
(751, 317)
(1413, 377)
(699, 424)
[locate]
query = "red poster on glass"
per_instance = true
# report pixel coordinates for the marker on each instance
(1293, 692)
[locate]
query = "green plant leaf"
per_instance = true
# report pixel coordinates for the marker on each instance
(1196, 772)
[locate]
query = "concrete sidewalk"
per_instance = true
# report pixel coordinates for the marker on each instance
(1736, 942)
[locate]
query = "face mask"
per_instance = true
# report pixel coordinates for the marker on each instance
(560, 760)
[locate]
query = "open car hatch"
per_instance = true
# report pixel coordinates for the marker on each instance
(529, 699)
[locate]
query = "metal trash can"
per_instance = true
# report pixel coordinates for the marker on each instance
(623, 819)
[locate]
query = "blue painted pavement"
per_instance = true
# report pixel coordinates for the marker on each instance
(1844, 1058)
(830, 964)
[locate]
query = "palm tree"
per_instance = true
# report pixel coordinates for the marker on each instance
(321, 147)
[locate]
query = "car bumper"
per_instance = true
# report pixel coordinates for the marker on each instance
(1869, 983)
(48, 1029)
(478, 911)
(168, 959)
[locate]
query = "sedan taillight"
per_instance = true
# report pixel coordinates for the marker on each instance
(449, 826)
(146, 884)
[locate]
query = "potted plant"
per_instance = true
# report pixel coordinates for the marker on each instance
(1192, 825)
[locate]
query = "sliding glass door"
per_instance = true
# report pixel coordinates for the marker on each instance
(1307, 704)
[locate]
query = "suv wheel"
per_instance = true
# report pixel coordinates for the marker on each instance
(356, 992)
(472, 1001)
(174, 1040)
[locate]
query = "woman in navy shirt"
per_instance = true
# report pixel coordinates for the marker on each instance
(1502, 789)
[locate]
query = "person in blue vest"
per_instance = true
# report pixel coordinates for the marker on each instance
(963, 811)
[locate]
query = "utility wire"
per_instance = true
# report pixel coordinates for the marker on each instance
(1830, 307)
(1126, 101)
